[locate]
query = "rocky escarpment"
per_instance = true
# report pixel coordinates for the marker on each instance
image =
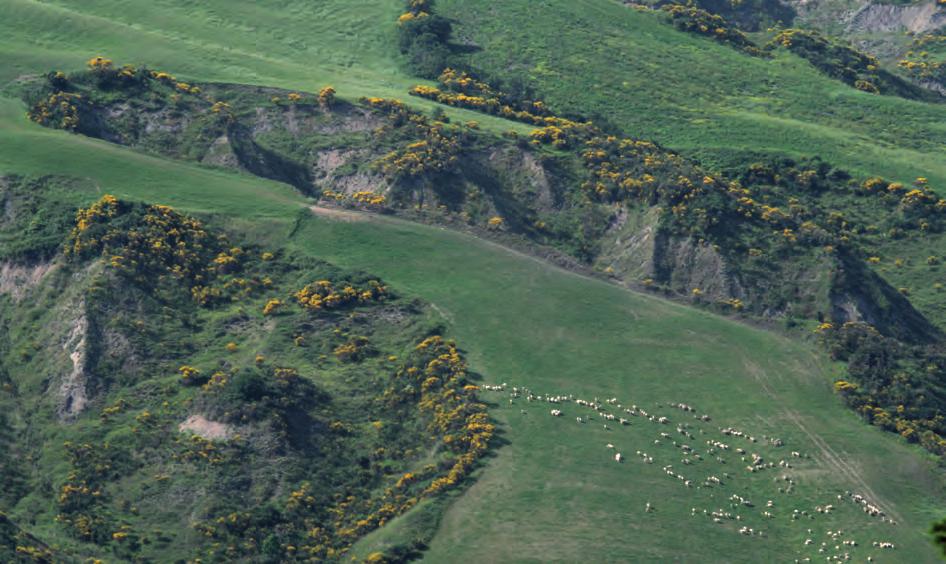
(868, 15)
(874, 17)
(639, 250)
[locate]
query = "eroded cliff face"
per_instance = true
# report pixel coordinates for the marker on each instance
(874, 17)
(72, 392)
(873, 27)
(639, 251)
(16, 280)
(868, 15)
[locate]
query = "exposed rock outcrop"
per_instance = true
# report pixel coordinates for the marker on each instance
(72, 390)
(17, 279)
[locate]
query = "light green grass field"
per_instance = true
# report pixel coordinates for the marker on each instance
(553, 492)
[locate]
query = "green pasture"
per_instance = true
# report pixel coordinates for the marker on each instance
(552, 491)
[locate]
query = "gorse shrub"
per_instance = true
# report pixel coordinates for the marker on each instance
(423, 37)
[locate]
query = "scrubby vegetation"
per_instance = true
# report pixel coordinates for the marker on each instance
(751, 15)
(845, 63)
(701, 22)
(892, 385)
(821, 248)
(745, 15)
(924, 60)
(749, 224)
(188, 382)
(424, 38)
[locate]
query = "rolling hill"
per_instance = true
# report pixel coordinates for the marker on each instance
(537, 337)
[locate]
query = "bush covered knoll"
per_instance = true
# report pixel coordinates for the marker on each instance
(692, 94)
(588, 345)
(158, 371)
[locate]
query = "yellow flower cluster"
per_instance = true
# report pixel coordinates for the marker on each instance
(324, 295)
(921, 199)
(436, 153)
(189, 374)
(352, 350)
(272, 306)
(327, 97)
(59, 110)
(201, 450)
(80, 497)
(921, 65)
(416, 9)
(436, 374)
(150, 243)
(695, 20)
(99, 63)
(463, 91)
(369, 198)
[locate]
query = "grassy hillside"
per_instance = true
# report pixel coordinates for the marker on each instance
(651, 80)
(170, 392)
(531, 324)
(693, 94)
(556, 474)
(299, 45)
(554, 490)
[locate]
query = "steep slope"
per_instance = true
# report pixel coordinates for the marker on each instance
(871, 23)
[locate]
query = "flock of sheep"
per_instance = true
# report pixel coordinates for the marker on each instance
(694, 445)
